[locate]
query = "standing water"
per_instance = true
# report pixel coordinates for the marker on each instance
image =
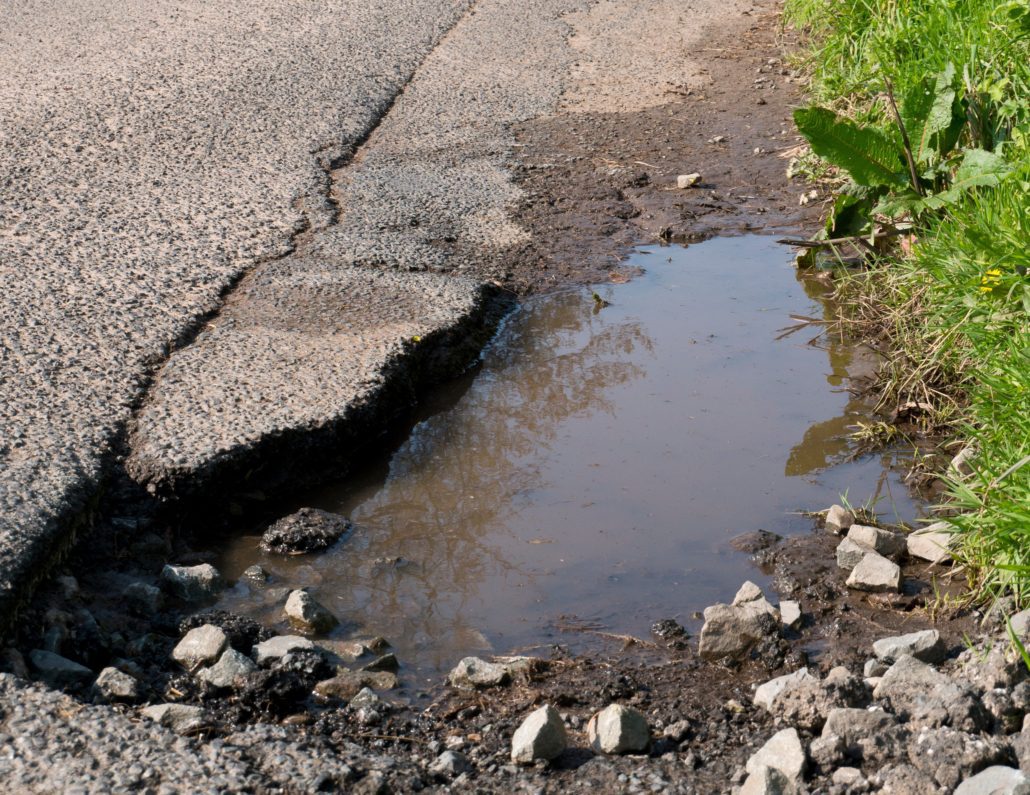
(593, 471)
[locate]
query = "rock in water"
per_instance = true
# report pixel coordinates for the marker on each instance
(192, 583)
(618, 730)
(201, 646)
(875, 573)
(307, 615)
(307, 530)
(540, 736)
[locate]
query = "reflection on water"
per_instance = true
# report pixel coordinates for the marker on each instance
(597, 464)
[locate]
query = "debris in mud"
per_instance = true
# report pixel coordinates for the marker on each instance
(305, 531)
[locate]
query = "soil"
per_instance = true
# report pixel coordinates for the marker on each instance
(598, 183)
(595, 185)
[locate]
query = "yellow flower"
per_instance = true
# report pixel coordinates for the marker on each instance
(990, 280)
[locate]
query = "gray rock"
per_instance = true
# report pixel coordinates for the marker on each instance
(385, 662)
(732, 630)
(200, 646)
(268, 651)
(784, 752)
(766, 693)
(748, 592)
(475, 672)
(826, 752)
(307, 530)
(887, 543)
(1020, 622)
(925, 697)
(540, 736)
(849, 777)
(687, 180)
(230, 666)
(69, 586)
(192, 583)
(617, 729)
(996, 780)
(367, 698)
(950, 756)
(449, 764)
(961, 464)
(58, 671)
(307, 615)
(875, 573)
(790, 614)
(926, 646)
(874, 668)
(143, 599)
(903, 779)
(932, 543)
(849, 554)
(838, 519)
(807, 702)
(347, 684)
(854, 725)
(115, 685)
(767, 781)
(180, 718)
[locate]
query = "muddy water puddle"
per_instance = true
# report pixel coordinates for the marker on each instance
(590, 476)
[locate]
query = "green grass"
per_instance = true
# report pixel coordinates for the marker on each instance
(954, 310)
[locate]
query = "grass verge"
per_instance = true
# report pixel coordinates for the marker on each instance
(950, 301)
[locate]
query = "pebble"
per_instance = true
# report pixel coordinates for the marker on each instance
(876, 574)
(618, 729)
(347, 684)
(279, 646)
(687, 180)
(307, 615)
(230, 667)
(192, 583)
(200, 646)
(180, 718)
(540, 736)
(926, 646)
(449, 764)
(115, 685)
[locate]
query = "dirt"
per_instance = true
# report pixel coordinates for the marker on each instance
(598, 183)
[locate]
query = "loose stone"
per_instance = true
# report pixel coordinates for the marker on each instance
(449, 764)
(200, 646)
(849, 554)
(790, 614)
(996, 780)
(192, 583)
(58, 671)
(540, 736)
(307, 615)
(875, 573)
(143, 599)
(387, 662)
(932, 543)
(767, 781)
(732, 630)
(347, 684)
(926, 646)
(115, 685)
(784, 752)
(749, 592)
(766, 694)
(617, 729)
(475, 672)
(230, 666)
(180, 718)
(877, 539)
(268, 651)
(838, 519)
(687, 180)
(307, 530)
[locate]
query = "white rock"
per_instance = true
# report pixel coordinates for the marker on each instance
(996, 780)
(618, 730)
(475, 672)
(838, 519)
(784, 752)
(847, 776)
(849, 554)
(1020, 623)
(180, 718)
(200, 646)
(961, 464)
(687, 180)
(115, 685)
(230, 666)
(875, 573)
(278, 647)
(766, 693)
(192, 583)
(749, 592)
(877, 539)
(731, 630)
(932, 543)
(307, 615)
(926, 646)
(790, 613)
(540, 736)
(767, 781)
